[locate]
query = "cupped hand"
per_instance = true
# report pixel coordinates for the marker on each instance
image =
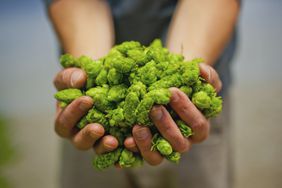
(67, 118)
(186, 110)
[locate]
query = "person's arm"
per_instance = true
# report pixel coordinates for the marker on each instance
(201, 28)
(84, 27)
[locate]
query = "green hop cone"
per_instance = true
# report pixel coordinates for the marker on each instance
(129, 159)
(162, 145)
(201, 100)
(66, 96)
(215, 108)
(187, 90)
(67, 60)
(125, 85)
(116, 117)
(106, 160)
(184, 129)
(174, 157)
(117, 93)
(94, 116)
(131, 103)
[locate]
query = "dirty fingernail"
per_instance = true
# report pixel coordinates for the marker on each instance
(175, 96)
(84, 105)
(156, 113)
(142, 134)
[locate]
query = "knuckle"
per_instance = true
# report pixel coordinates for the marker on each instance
(183, 108)
(169, 130)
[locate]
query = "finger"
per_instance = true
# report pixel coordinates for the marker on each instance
(86, 137)
(168, 129)
(70, 78)
(69, 116)
(107, 143)
(143, 138)
(130, 144)
(211, 76)
(189, 113)
(58, 109)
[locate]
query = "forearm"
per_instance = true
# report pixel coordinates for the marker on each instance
(83, 27)
(201, 28)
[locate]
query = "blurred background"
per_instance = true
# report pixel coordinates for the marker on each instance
(29, 148)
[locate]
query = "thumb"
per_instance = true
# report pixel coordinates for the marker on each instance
(211, 76)
(70, 78)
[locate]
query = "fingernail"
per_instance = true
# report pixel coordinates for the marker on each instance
(141, 134)
(75, 77)
(110, 142)
(207, 70)
(156, 113)
(84, 106)
(175, 97)
(96, 131)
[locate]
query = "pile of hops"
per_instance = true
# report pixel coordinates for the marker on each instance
(126, 84)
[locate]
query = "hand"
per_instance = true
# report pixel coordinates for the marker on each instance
(67, 118)
(187, 111)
